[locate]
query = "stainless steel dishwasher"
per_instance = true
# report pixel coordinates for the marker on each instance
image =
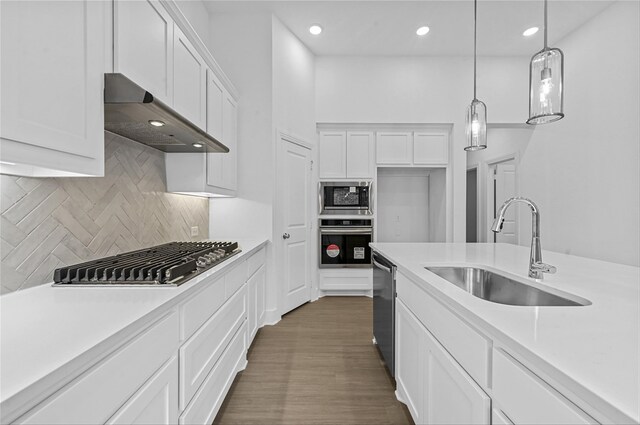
(384, 308)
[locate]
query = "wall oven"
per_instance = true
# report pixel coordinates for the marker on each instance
(345, 198)
(345, 243)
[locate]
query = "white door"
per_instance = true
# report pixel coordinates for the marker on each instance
(505, 188)
(294, 199)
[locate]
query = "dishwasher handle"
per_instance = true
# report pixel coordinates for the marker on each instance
(380, 266)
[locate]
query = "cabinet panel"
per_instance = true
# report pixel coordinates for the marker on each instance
(410, 349)
(346, 280)
(98, 394)
(430, 148)
(332, 154)
(256, 287)
(52, 76)
(235, 279)
(499, 418)
(256, 261)
(360, 155)
(451, 396)
(189, 80)
(201, 352)
(534, 401)
(197, 309)
(215, 105)
(222, 167)
(206, 403)
(261, 299)
(143, 46)
(156, 402)
(393, 147)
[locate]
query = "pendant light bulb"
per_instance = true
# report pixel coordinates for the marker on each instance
(476, 120)
(546, 71)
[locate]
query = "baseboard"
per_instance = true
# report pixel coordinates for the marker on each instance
(271, 317)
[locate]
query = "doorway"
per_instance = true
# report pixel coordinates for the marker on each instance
(293, 213)
(502, 186)
(472, 205)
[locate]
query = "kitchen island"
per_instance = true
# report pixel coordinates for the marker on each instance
(524, 364)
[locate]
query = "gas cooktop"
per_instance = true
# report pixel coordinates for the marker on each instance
(170, 264)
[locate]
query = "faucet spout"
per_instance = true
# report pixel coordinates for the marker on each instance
(536, 266)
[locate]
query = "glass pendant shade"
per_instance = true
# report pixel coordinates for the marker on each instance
(476, 125)
(545, 86)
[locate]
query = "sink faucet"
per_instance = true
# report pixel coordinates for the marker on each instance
(536, 266)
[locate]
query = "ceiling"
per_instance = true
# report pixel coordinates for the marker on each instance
(388, 28)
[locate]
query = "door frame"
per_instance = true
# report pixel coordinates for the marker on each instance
(278, 224)
(489, 193)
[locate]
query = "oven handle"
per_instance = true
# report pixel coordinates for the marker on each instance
(349, 231)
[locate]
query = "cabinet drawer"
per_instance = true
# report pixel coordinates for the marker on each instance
(197, 309)
(468, 347)
(346, 280)
(256, 261)
(526, 399)
(201, 352)
(234, 279)
(156, 402)
(204, 406)
(99, 393)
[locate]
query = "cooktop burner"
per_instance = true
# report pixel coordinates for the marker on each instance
(171, 264)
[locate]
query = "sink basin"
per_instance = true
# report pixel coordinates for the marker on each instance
(501, 289)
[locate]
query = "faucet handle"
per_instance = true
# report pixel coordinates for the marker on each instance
(543, 268)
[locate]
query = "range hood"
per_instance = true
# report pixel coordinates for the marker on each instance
(134, 113)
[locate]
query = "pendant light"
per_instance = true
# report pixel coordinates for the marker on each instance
(476, 121)
(545, 83)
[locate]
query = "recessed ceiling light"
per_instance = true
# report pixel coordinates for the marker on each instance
(422, 30)
(315, 29)
(156, 123)
(529, 32)
(197, 145)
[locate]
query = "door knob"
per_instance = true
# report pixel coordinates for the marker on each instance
(286, 236)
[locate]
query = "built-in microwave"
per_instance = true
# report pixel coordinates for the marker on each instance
(345, 198)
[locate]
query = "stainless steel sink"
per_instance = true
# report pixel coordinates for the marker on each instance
(501, 289)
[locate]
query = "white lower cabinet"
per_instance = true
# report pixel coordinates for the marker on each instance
(156, 402)
(433, 385)
(97, 395)
(205, 404)
(256, 307)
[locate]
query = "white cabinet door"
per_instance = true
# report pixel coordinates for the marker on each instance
(410, 352)
(222, 167)
(143, 46)
(393, 147)
(156, 402)
(189, 80)
(261, 295)
(215, 105)
(52, 77)
(252, 309)
(333, 154)
(360, 154)
(430, 148)
(451, 396)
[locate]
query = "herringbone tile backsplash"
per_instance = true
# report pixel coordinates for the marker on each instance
(50, 222)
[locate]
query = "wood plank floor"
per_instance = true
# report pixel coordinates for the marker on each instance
(316, 366)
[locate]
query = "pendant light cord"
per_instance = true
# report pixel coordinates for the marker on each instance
(475, 35)
(545, 24)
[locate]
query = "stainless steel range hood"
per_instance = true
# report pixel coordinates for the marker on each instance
(136, 114)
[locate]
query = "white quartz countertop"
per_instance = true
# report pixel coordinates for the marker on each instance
(591, 351)
(48, 332)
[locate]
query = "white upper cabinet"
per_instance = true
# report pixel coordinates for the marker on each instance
(419, 148)
(360, 154)
(189, 80)
(52, 77)
(221, 167)
(393, 147)
(143, 46)
(333, 154)
(430, 148)
(346, 155)
(216, 95)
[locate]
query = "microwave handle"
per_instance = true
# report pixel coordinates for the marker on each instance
(320, 198)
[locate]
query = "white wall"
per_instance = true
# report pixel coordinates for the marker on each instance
(422, 90)
(584, 170)
(293, 85)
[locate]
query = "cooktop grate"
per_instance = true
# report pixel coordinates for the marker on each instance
(170, 264)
